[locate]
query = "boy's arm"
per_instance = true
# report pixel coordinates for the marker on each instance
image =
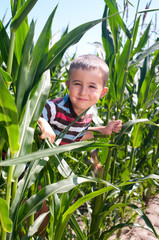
(46, 130)
(113, 126)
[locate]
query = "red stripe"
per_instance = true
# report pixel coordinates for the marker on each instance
(64, 143)
(62, 116)
(69, 119)
(57, 99)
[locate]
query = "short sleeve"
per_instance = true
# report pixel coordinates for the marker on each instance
(49, 111)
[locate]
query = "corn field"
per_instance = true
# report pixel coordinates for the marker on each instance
(110, 177)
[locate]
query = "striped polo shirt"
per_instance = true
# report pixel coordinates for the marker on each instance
(59, 114)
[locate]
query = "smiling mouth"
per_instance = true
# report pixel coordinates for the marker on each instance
(82, 99)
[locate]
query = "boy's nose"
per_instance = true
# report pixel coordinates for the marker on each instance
(83, 91)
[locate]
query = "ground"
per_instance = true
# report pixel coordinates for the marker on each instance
(152, 212)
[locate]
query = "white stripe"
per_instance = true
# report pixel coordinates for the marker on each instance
(72, 129)
(53, 111)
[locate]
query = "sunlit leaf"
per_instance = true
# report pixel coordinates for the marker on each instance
(144, 54)
(76, 205)
(6, 223)
(31, 205)
(145, 218)
(127, 126)
(56, 52)
(43, 153)
(22, 14)
(113, 8)
(8, 116)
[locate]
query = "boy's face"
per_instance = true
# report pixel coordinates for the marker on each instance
(85, 87)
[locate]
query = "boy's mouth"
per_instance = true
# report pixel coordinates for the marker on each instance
(82, 99)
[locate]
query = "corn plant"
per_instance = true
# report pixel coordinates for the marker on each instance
(25, 83)
(133, 97)
(65, 186)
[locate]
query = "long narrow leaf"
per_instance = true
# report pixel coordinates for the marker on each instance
(8, 116)
(31, 205)
(113, 8)
(4, 43)
(144, 217)
(22, 14)
(40, 52)
(43, 153)
(23, 69)
(144, 54)
(145, 88)
(56, 52)
(6, 223)
(32, 112)
(142, 41)
(107, 37)
(127, 126)
(149, 10)
(77, 204)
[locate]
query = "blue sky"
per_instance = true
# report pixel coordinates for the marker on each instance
(74, 13)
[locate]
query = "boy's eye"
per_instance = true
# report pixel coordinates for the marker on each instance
(92, 86)
(77, 83)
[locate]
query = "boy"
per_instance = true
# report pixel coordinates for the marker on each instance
(88, 76)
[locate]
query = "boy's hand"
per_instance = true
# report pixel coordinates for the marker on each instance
(46, 130)
(113, 126)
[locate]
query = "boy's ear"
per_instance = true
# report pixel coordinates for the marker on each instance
(105, 90)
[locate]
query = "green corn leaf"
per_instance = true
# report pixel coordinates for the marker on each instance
(29, 178)
(37, 68)
(120, 66)
(94, 145)
(152, 100)
(76, 228)
(23, 70)
(4, 43)
(35, 226)
(144, 54)
(4, 48)
(137, 135)
(21, 34)
(113, 8)
(62, 166)
(112, 208)
(107, 37)
(8, 116)
(143, 40)
(145, 88)
(44, 153)
(114, 25)
(144, 217)
(66, 216)
(109, 233)
(56, 52)
(63, 186)
(127, 126)
(78, 146)
(22, 14)
(149, 10)
(6, 76)
(136, 31)
(33, 111)
(6, 223)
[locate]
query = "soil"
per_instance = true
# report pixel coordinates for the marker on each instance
(152, 212)
(138, 233)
